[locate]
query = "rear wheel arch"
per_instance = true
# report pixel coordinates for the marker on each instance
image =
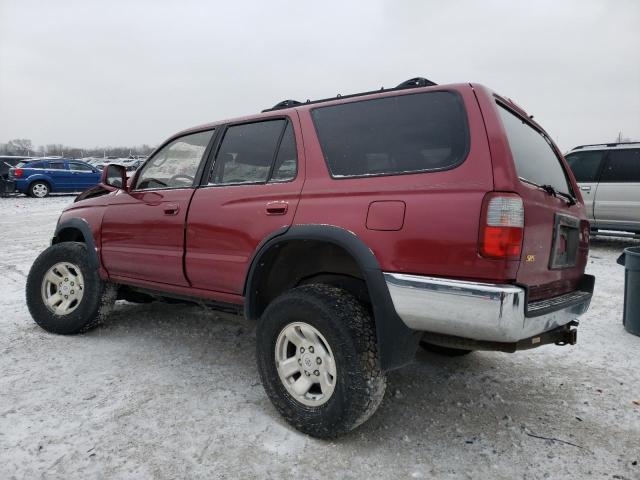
(307, 254)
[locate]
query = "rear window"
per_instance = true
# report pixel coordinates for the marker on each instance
(534, 158)
(585, 165)
(393, 135)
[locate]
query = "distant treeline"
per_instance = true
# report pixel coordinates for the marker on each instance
(23, 146)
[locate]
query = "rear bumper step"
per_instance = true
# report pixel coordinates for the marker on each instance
(564, 335)
(482, 311)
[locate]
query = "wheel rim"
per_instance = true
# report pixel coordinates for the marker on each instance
(62, 288)
(305, 364)
(40, 190)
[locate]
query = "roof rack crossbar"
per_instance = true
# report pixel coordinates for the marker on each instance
(417, 82)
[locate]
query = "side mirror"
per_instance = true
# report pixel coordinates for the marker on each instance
(114, 176)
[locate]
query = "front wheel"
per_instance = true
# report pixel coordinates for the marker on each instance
(318, 360)
(65, 294)
(39, 189)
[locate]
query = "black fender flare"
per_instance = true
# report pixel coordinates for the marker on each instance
(83, 226)
(397, 344)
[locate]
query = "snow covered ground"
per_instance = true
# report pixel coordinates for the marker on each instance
(171, 391)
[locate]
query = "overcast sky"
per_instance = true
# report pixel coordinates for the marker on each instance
(90, 73)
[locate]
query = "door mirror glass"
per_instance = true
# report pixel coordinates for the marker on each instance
(114, 176)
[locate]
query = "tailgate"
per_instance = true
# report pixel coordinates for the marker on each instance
(555, 245)
(556, 232)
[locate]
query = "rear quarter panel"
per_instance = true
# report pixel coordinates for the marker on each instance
(439, 235)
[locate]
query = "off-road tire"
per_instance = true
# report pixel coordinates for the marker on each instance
(97, 300)
(33, 186)
(444, 351)
(350, 332)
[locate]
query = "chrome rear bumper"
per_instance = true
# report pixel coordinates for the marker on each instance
(479, 311)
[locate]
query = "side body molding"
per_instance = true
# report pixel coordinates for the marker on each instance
(397, 343)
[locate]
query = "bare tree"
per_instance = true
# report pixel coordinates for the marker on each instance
(20, 146)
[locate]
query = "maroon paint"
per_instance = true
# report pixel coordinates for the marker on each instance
(438, 235)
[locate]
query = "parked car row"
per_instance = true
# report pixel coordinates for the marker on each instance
(38, 177)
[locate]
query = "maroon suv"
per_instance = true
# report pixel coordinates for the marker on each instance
(351, 229)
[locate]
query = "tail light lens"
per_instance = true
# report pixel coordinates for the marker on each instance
(18, 172)
(501, 226)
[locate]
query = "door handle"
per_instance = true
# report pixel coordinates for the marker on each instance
(586, 188)
(171, 209)
(277, 208)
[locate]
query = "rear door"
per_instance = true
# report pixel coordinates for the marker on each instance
(586, 167)
(143, 229)
(251, 191)
(617, 202)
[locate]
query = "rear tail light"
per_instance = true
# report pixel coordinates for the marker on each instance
(18, 172)
(501, 226)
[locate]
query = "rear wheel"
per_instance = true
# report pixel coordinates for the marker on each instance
(39, 189)
(318, 361)
(64, 293)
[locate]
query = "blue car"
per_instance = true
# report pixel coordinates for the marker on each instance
(40, 177)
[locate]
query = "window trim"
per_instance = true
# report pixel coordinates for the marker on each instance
(561, 160)
(211, 162)
(396, 174)
(198, 174)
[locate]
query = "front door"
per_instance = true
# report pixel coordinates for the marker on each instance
(252, 191)
(143, 230)
(586, 167)
(83, 175)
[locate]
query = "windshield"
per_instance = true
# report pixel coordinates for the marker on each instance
(535, 160)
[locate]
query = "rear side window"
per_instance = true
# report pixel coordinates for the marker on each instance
(247, 154)
(535, 160)
(393, 135)
(585, 165)
(286, 166)
(622, 166)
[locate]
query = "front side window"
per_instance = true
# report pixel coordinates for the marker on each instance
(534, 158)
(57, 166)
(585, 165)
(247, 154)
(176, 164)
(393, 135)
(623, 166)
(80, 167)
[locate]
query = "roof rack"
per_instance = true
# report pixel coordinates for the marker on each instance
(613, 144)
(416, 82)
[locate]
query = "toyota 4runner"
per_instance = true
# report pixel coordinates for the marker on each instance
(351, 229)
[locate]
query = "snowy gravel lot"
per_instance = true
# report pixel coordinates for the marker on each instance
(170, 391)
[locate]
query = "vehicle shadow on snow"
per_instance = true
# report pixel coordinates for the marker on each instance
(454, 401)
